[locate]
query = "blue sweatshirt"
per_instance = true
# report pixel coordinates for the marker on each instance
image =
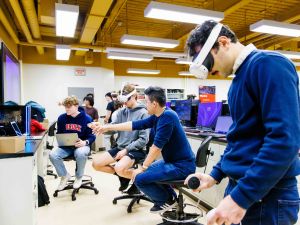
(264, 138)
(168, 136)
(78, 124)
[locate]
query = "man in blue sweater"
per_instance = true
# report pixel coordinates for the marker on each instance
(261, 158)
(169, 140)
(75, 120)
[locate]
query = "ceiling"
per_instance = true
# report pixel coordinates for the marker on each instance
(102, 22)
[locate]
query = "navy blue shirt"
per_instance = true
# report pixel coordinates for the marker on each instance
(264, 138)
(78, 124)
(168, 136)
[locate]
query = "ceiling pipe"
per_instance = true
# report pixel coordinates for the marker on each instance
(33, 21)
(8, 27)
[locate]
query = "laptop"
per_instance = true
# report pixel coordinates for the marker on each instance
(66, 139)
(19, 133)
(223, 124)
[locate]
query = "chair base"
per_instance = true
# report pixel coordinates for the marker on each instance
(171, 223)
(86, 184)
(135, 199)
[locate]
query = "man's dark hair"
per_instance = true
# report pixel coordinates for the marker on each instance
(108, 94)
(156, 94)
(89, 99)
(200, 34)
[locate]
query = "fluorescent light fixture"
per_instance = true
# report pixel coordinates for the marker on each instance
(274, 27)
(66, 17)
(142, 71)
(183, 61)
(148, 41)
(185, 73)
(290, 54)
(165, 11)
(160, 54)
(231, 76)
(63, 52)
(129, 56)
(80, 49)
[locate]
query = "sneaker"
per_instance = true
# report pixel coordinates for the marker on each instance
(77, 183)
(124, 182)
(158, 209)
(133, 190)
(63, 182)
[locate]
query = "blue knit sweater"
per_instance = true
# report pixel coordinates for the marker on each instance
(264, 139)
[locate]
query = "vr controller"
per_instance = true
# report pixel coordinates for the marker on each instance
(193, 183)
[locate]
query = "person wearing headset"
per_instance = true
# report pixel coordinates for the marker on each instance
(261, 158)
(130, 145)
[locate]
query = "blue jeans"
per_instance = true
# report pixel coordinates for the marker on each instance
(80, 154)
(161, 171)
(279, 207)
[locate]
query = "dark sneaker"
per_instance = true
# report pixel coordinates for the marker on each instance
(133, 190)
(124, 182)
(158, 209)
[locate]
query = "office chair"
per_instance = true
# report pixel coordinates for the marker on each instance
(51, 132)
(136, 197)
(178, 216)
(87, 183)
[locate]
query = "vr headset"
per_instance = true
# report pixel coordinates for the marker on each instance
(203, 61)
(124, 98)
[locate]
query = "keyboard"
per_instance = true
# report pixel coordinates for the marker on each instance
(34, 137)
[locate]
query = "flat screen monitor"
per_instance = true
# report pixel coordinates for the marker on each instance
(18, 114)
(223, 124)
(183, 109)
(10, 77)
(208, 114)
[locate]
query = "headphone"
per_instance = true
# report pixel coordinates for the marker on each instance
(203, 61)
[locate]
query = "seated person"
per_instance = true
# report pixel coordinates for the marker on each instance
(89, 108)
(169, 140)
(130, 145)
(35, 125)
(74, 120)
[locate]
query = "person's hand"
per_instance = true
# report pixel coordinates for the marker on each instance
(227, 212)
(80, 143)
(136, 172)
(120, 154)
(98, 128)
(206, 181)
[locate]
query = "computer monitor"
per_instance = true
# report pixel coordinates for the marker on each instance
(16, 128)
(19, 114)
(208, 114)
(223, 124)
(225, 110)
(183, 109)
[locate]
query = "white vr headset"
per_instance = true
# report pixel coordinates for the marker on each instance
(124, 98)
(203, 63)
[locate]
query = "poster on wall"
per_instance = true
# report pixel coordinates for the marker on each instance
(207, 93)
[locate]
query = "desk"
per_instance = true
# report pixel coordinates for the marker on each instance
(18, 185)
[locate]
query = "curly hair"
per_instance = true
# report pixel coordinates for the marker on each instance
(200, 34)
(70, 101)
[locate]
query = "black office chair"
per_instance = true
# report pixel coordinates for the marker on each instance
(51, 132)
(136, 197)
(87, 183)
(178, 216)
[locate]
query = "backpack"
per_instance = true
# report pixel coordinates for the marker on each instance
(43, 197)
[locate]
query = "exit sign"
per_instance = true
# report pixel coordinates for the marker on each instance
(80, 72)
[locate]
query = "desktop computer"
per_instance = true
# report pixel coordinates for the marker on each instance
(183, 108)
(208, 114)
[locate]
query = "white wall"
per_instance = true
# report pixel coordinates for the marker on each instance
(189, 84)
(48, 84)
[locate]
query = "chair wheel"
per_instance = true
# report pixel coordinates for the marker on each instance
(92, 185)
(114, 201)
(55, 176)
(55, 194)
(96, 192)
(73, 198)
(129, 210)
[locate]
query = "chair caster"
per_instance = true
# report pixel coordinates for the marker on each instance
(55, 194)
(92, 185)
(73, 198)
(114, 201)
(129, 210)
(96, 192)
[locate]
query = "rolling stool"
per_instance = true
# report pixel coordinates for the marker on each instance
(87, 183)
(178, 216)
